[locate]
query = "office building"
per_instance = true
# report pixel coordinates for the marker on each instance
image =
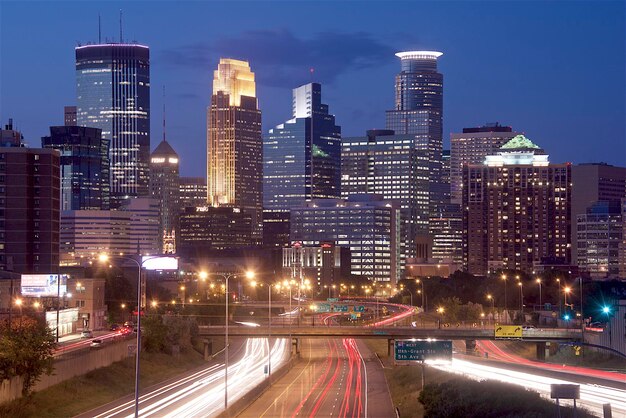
(301, 161)
(622, 244)
(517, 210)
(325, 264)
(165, 189)
(113, 94)
(88, 297)
(144, 225)
(599, 234)
(471, 147)
(84, 166)
(192, 192)
(368, 225)
(10, 137)
(388, 165)
(234, 144)
(204, 229)
(69, 116)
(29, 209)
(418, 111)
(591, 183)
(446, 231)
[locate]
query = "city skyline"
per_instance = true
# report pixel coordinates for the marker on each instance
(487, 80)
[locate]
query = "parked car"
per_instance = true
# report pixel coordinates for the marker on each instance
(87, 333)
(95, 343)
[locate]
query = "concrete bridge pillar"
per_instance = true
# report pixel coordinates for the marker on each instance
(470, 347)
(390, 345)
(542, 349)
(295, 345)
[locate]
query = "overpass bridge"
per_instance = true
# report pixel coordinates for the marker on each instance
(540, 336)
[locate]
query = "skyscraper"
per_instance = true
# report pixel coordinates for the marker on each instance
(599, 234)
(516, 210)
(192, 193)
(390, 166)
(471, 147)
(113, 94)
(165, 189)
(69, 115)
(301, 158)
(84, 166)
(418, 111)
(234, 144)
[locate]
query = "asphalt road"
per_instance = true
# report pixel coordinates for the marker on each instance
(333, 378)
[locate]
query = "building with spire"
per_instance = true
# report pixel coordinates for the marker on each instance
(516, 210)
(234, 144)
(165, 189)
(301, 161)
(418, 111)
(113, 95)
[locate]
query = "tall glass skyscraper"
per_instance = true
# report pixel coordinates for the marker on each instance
(234, 144)
(84, 166)
(419, 111)
(113, 94)
(301, 161)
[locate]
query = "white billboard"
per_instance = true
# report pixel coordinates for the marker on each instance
(159, 263)
(43, 284)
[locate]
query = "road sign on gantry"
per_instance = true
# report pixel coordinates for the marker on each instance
(508, 331)
(419, 350)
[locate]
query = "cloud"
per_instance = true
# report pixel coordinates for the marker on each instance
(280, 59)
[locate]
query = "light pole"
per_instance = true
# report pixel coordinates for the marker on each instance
(558, 296)
(104, 258)
(506, 306)
(539, 283)
(566, 291)
(521, 297)
(182, 288)
(492, 299)
(410, 294)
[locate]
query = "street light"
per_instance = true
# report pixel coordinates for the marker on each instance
(402, 289)
(506, 306)
(566, 291)
(182, 288)
(521, 297)
(103, 259)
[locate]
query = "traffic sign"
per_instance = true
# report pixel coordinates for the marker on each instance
(332, 300)
(340, 308)
(323, 307)
(508, 331)
(359, 308)
(418, 350)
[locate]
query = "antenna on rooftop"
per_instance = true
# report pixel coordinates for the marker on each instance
(99, 30)
(164, 112)
(121, 38)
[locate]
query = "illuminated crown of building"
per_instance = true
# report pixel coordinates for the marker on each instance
(234, 77)
(519, 150)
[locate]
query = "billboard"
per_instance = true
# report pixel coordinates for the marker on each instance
(43, 284)
(159, 263)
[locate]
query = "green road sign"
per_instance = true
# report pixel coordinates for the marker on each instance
(332, 300)
(323, 307)
(359, 309)
(340, 308)
(407, 350)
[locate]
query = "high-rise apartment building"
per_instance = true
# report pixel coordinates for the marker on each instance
(113, 94)
(69, 116)
(10, 137)
(622, 244)
(599, 234)
(368, 225)
(84, 166)
(29, 209)
(301, 159)
(388, 165)
(418, 111)
(591, 183)
(234, 144)
(446, 232)
(471, 147)
(192, 192)
(517, 210)
(165, 189)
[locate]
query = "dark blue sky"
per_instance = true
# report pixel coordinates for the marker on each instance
(554, 70)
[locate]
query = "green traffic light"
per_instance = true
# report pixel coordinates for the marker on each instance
(606, 309)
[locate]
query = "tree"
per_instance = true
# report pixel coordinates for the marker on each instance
(154, 334)
(26, 349)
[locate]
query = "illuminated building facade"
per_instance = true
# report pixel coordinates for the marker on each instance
(113, 94)
(517, 210)
(84, 166)
(234, 144)
(192, 192)
(323, 265)
(446, 231)
(418, 111)
(301, 160)
(599, 234)
(471, 147)
(388, 165)
(69, 115)
(368, 225)
(165, 189)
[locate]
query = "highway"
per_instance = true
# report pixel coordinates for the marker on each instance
(81, 344)
(201, 393)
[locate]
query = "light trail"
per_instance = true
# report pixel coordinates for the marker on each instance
(592, 397)
(202, 394)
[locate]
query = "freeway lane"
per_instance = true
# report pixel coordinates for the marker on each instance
(201, 393)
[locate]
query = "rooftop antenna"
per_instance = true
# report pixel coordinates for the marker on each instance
(164, 112)
(121, 39)
(99, 30)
